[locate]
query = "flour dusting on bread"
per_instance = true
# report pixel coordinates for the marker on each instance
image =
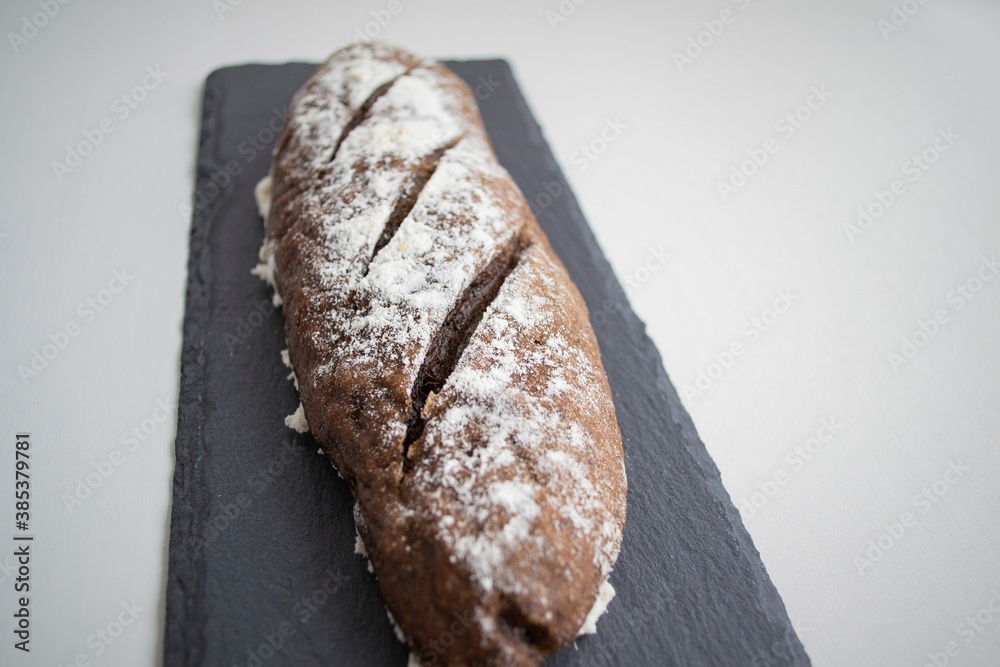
(445, 363)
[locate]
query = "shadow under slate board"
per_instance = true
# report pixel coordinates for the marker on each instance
(262, 568)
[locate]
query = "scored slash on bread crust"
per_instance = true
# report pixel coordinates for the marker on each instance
(445, 362)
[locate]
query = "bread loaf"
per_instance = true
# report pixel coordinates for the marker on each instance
(445, 363)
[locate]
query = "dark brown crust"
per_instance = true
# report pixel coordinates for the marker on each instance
(387, 414)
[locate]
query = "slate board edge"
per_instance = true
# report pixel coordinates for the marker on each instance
(183, 641)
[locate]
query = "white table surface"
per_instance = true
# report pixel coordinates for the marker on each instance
(858, 590)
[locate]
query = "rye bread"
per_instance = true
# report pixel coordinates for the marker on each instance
(445, 362)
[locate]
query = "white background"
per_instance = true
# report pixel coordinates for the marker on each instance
(654, 187)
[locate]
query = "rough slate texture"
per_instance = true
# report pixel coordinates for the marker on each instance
(262, 535)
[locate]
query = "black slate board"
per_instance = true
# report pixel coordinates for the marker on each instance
(262, 535)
